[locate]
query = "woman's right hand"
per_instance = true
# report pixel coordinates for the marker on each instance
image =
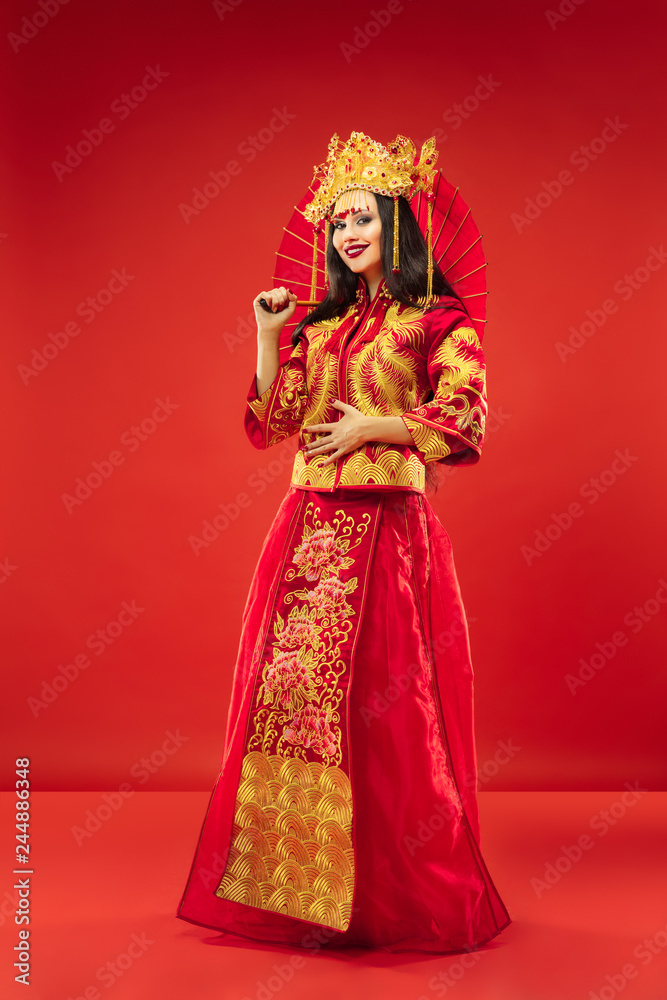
(283, 305)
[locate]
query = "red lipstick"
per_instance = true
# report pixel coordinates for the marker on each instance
(355, 250)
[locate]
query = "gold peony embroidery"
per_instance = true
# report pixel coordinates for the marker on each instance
(309, 727)
(319, 551)
(299, 681)
(284, 675)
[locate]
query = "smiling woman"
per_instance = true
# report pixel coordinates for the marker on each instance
(314, 830)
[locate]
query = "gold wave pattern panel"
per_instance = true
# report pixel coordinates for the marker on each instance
(292, 847)
(388, 467)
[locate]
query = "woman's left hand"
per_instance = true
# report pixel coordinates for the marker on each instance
(344, 436)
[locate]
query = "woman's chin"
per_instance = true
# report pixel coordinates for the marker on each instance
(358, 268)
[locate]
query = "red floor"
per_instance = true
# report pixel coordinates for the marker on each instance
(598, 930)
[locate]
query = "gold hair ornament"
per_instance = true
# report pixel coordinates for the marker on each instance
(394, 170)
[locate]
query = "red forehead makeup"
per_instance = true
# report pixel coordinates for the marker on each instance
(350, 211)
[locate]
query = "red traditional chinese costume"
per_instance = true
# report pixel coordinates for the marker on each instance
(345, 812)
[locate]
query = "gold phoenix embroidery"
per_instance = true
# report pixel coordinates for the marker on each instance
(386, 374)
(461, 394)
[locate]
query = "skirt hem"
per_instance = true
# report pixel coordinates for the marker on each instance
(393, 949)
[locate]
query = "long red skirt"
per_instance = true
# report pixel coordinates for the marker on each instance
(345, 812)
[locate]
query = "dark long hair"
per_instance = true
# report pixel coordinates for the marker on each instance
(406, 287)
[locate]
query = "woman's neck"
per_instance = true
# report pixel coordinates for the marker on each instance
(373, 283)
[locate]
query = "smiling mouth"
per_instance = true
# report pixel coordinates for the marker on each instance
(355, 251)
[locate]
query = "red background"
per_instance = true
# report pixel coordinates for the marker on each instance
(167, 334)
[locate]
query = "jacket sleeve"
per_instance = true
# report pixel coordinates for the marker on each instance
(278, 413)
(449, 426)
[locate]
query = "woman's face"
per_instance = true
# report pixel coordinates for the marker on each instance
(357, 229)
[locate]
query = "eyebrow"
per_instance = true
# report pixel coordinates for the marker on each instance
(361, 211)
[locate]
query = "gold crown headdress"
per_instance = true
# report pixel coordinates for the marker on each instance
(443, 217)
(393, 170)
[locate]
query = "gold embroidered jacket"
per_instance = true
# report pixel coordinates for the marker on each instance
(386, 359)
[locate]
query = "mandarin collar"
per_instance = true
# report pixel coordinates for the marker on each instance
(363, 297)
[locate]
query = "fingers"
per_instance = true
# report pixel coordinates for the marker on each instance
(280, 298)
(331, 459)
(315, 447)
(277, 298)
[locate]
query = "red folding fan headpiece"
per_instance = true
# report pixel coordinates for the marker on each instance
(442, 215)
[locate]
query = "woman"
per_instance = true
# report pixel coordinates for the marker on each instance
(345, 812)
